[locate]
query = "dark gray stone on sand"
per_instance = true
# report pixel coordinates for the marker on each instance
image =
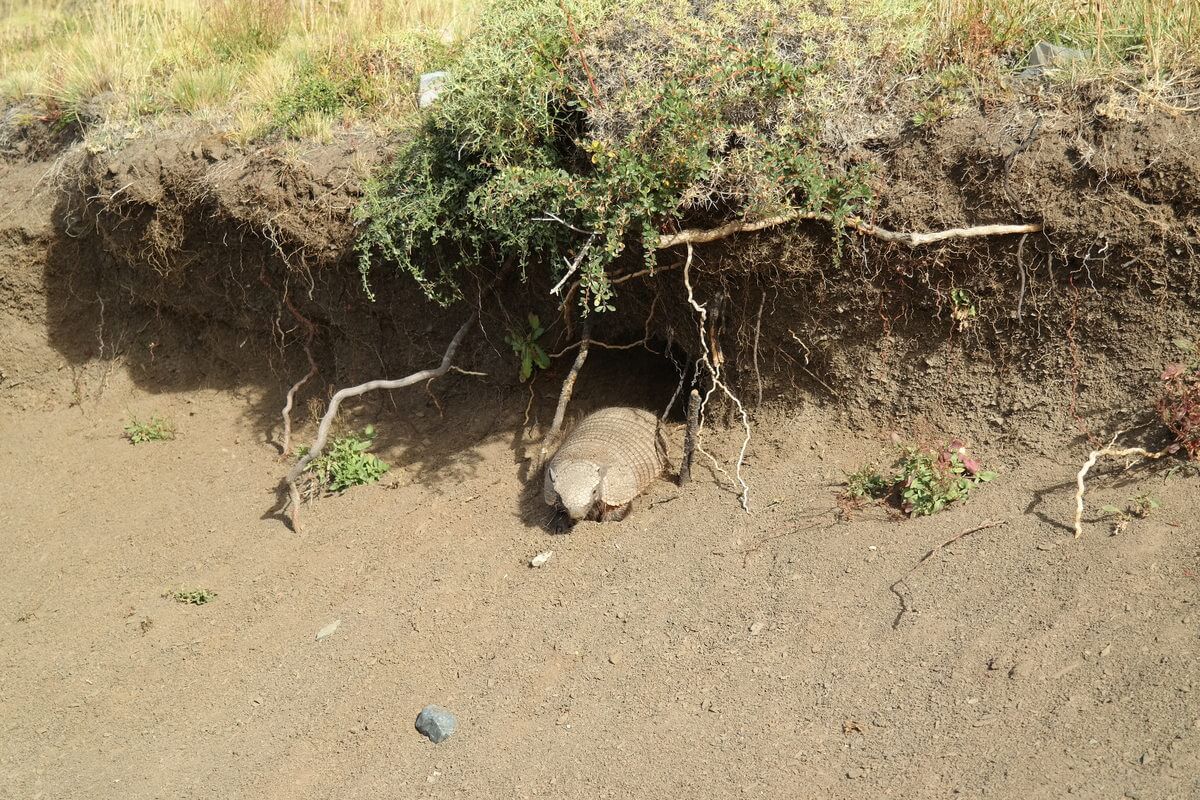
(436, 723)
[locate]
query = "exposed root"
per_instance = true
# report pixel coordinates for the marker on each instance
(689, 437)
(698, 236)
(318, 446)
(603, 346)
(310, 330)
(714, 371)
(894, 588)
(286, 413)
(757, 335)
(564, 397)
(1108, 450)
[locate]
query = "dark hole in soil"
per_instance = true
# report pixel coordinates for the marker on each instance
(634, 377)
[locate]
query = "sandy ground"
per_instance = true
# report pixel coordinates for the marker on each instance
(689, 650)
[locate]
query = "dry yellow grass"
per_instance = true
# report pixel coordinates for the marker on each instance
(305, 66)
(220, 58)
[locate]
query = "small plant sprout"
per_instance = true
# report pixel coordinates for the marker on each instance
(1137, 507)
(962, 308)
(527, 349)
(866, 484)
(347, 463)
(191, 597)
(1142, 505)
(156, 430)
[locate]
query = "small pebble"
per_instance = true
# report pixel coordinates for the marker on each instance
(854, 772)
(757, 628)
(328, 630)
(614, 657)
(541, 558)
(436, 723)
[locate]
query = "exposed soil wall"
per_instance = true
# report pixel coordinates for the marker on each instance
(247, 247)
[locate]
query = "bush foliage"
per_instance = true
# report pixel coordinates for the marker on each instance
(623, 121)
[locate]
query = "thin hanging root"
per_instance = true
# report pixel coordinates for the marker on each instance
(310, 332)
(564, 397)
(714, 371)
(318, 446)
(1107, 450)
(286, 413)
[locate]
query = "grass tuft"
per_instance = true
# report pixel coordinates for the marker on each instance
(156, 430)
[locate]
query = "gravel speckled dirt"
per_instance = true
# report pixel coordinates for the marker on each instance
(691, 649)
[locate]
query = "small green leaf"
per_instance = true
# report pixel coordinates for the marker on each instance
(985, 476)
(539, 357)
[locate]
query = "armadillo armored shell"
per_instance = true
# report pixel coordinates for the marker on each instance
(625, 446)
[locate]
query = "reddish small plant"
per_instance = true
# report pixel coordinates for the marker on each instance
(1179, 401)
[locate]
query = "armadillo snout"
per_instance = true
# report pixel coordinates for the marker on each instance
(577, 486)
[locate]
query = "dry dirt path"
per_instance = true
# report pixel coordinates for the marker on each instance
(691, 650)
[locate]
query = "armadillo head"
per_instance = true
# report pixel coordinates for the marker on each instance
(577, 484)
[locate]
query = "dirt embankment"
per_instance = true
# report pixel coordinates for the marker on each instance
(1009, 339)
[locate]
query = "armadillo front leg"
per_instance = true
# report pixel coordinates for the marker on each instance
(615, 513)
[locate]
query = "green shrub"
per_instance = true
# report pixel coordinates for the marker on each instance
(622, 120)
(347, 463)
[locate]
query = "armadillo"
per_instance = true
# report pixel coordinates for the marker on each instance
(609, 459)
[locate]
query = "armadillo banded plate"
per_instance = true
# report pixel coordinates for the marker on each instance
(622, 441)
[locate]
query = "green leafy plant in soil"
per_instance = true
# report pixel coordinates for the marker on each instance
(347, 463)
(619, 120)
(1179, 399)
(192, 597)
(1137, 507)
(155, 430)
(867, 484)
(923, 481)
(528, 351)
(928, 481)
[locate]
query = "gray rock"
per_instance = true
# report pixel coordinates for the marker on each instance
(432, 84)
(1045, 56)
(436, 723)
